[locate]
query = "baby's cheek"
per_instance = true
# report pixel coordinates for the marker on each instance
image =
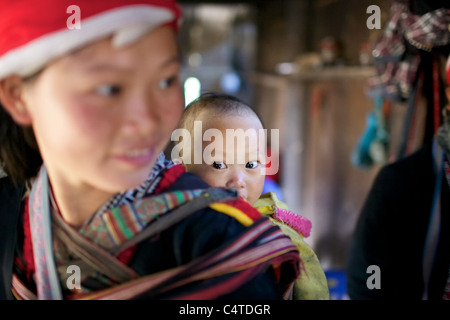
(258, 184)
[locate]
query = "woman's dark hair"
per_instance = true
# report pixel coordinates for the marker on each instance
(19, 153)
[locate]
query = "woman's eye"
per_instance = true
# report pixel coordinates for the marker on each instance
(252, 164)
(167, 82)
(108, 90)
(219, 165)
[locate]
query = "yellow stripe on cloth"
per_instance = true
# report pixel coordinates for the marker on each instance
(233, 212)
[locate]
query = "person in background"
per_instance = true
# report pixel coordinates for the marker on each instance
(220, 165)
(401, 243)
(90, 208)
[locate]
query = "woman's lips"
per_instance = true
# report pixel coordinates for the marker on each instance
(136, 157)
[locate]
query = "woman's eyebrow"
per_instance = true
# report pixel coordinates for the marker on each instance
(174, 59)
(107, 67)
(111, 67)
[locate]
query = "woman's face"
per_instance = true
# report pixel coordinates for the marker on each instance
(102, 115)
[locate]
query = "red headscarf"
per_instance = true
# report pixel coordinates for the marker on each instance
(32, 33)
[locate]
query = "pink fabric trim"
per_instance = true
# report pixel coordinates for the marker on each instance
(295, 221)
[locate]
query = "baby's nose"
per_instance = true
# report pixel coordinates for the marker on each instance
(236, 181)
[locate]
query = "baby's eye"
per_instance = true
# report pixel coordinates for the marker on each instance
(167, 82)
(252, 164)
(108, 90)
(219, 165)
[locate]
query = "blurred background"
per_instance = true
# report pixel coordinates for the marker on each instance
(305, 66)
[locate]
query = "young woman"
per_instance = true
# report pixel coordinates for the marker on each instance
(90, 207)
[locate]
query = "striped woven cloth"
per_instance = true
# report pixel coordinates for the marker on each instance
(97, 245)
(213, 275)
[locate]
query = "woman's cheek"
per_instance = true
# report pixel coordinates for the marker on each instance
(92, 120)
(176, 101)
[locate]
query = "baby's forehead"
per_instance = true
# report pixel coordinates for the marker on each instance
(229, 120)
(235, 132)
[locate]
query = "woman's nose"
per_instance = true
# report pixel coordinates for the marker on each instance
(142, 113)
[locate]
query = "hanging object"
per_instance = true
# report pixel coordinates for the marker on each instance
(397, 53)
(406, 61)
(372, 146)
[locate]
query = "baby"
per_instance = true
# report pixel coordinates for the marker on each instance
(232, 154)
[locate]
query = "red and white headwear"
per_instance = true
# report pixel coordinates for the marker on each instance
(32, 33)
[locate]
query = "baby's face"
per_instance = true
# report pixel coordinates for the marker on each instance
(234, 162)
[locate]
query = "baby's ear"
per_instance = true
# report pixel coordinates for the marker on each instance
(11, 97)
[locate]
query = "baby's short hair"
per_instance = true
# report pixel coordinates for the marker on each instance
(217, 104)
(207, 106)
